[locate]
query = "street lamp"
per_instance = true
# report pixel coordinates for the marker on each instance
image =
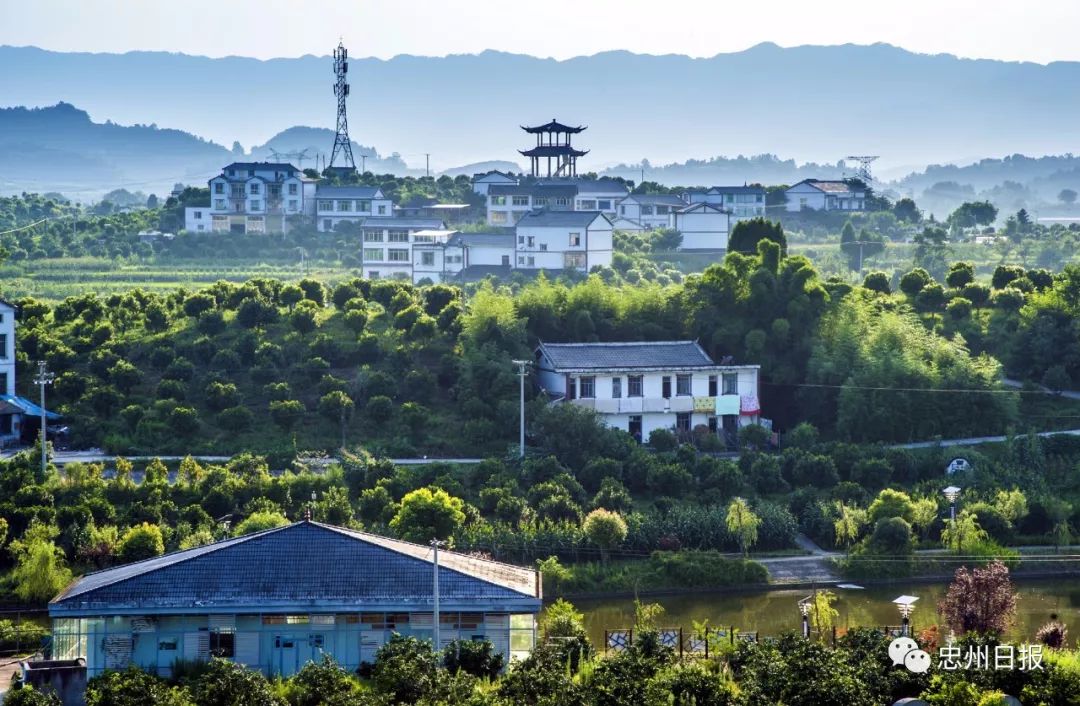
(951, 494)
(804, 608)
(906, 604)
(522, 365)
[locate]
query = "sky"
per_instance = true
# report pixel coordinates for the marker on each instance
(1033, 30)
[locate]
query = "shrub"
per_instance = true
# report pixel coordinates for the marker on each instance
(475, 657)
(143, 541)
(236, 419)
(286, 413)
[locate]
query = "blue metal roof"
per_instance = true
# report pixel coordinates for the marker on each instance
(28, 407)
(305, 566)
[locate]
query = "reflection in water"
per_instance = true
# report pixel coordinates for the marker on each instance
(774, 612)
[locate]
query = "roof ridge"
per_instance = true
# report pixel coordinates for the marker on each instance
(673, 342)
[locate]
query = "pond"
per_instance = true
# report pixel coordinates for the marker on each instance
(773, 612)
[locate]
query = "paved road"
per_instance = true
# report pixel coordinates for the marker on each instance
(61, 458)
(975, 440)
(1071, 394)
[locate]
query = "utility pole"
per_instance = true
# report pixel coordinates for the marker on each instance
(427, 164)
(522, 364)
(44, 377)
(363, 164)
(436, 543)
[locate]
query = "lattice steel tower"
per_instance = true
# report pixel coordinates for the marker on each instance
(342, 144)
(863, 170)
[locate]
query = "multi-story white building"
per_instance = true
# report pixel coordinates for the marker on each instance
(7, 348)
(482, 182)
(388, 244)
(507, 203)
(253, 197)
(18, 415)
(704, 226)
(352, 204)
(640, 387)
(742, 201)
(650, 210)
(821, 195)
(563, 240)
(462, 255)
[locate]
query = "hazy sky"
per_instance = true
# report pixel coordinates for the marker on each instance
(1032, 30)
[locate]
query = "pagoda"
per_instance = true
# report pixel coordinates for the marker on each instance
(553, 143)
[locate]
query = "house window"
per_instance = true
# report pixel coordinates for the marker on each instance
(562, 201)
(373, 236)
(543, 247)
(604, 204)
(223, 644)
(326, 205)
(373, 274)
(498, 200)
(530, 241)
(4, 385)
(219, 204)
(574, 260)
(521, 259)
(505, 259)
(622, 210)
(398, 255)
(219, 188)
(633, 386)
(254, 188)
(713, 387)
(587, 205)
(427, 259)
(662, 210)
(616, 388)
(682, 421)
(373, 254)
(571, 388)
(292, 190)
(256, 205)
(731, 384)
(575, 240)
(521, 201)
(665, 387)
(646, 210)
(345, 205)
(382, 209)
(532, 261)
(682, 385)
(521, 240)
(399, 236)
(588, 387)
(293, 204)
(363, 206)
(497, 217)
(198, 217)
(540, 201)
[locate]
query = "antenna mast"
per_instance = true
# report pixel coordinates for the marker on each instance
(863, 170)
(341, 90)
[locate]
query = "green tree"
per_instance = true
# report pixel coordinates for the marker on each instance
(877, 281)
(961, 534)
(891, 503)
(428, 513)
(605, 529)
(227, 684)
(924, 513)
(286, 413)
(29, 696)
(40, 572)
(132, 687)
(259, 521)
(906, 210)
(960, 275)
(336, 405)
(743, 524)
(746, 235)
(911, 283)
(143, 541)
(849, 524)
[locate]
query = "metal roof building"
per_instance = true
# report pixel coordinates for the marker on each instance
(278, 598)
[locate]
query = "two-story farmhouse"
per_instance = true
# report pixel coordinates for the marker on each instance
(507, 203)
(821, 195)
(743, 202)
(464, 256)
(352, 204)
(650, 210)
(388, 244)
(563, 240)
(704, 227)
(253, 197)
(644, 386)
(277, 599)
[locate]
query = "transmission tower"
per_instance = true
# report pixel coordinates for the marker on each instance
(341, 90)
(298, 155)
(863, 170)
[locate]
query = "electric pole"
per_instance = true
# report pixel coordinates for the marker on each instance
(44, 377)
(363, 164)
(436, 543)
(522, 364)
(427, 164)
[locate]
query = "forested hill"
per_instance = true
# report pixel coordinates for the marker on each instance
(60, 148)
(810, 103)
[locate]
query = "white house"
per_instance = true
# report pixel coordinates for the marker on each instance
(335, 204)
(704, 226)
(820, 195)
(506, 203)
(649, 210)
(742, 201)
(388, 244)
(253, 197)
(460, 254)
(7, 348)
(640, 387)
(563, 240)
(13, 408)
(482, 182)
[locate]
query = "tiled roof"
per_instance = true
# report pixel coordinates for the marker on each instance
(595, 186)
(545, 190)
(407, 223)
(737, 190)
(347, 192)
(657, 199)
(558, 219)
(647, 355)
(832, 187)
(702, 206)
(264, 166)
(483, 240)
(305, 565)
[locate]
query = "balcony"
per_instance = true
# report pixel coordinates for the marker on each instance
(637, 405)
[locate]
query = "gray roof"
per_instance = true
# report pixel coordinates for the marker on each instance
(738, 189)
(489, 240)
(348, 192)
(658, 199)
(560, 219)
(407, 223)
(594, 186)
(543, 190)
(645, 355)
(703, 206)
(305, 565)
(264, 166)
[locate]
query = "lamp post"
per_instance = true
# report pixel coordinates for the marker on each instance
(951, 494)
(522, 365)
(435, 543)
(906, 605)
(804, 608)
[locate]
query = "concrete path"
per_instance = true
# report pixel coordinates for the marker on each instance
(1071, 394)
(61, 458)
(975, 440)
